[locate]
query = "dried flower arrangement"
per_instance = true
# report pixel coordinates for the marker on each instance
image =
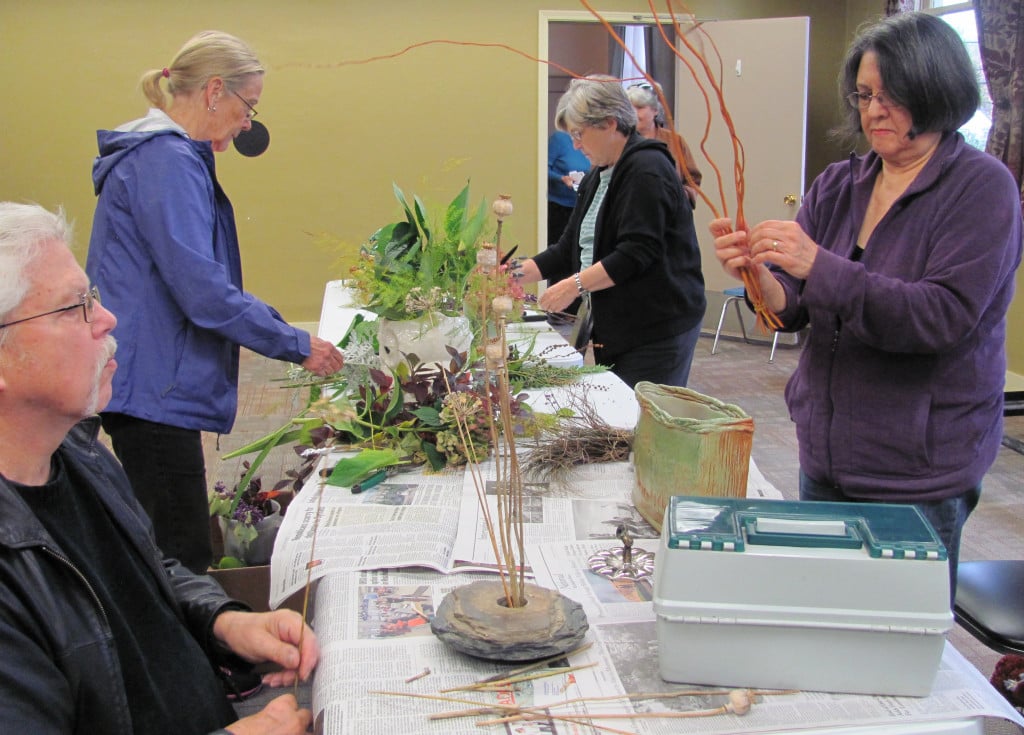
(508, 619)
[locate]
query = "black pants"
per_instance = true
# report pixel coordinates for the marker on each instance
(558, 218)
(167, 472)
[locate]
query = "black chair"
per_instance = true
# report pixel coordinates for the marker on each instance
(990, 603)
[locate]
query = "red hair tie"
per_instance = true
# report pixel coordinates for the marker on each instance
(166, 72)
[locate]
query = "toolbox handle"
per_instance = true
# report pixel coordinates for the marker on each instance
(789, 530)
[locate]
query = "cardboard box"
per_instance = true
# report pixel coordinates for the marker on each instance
(251, 585)
(837, 597)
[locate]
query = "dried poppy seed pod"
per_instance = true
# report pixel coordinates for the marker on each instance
(495, 355)
(740, 701)
(487, 257)
(502, 305)
(502, 206)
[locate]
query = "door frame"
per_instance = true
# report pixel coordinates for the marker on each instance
(545, 18)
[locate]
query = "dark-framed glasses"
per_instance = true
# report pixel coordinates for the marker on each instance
(87, 303)
(862, 100)
(252, 110)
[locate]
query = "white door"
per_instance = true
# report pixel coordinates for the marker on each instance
(764, 81)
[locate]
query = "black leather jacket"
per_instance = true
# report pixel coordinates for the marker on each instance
(59, 671)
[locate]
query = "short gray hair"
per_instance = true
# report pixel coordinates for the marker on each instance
(592, 100)
(645, 95)
(24, 229)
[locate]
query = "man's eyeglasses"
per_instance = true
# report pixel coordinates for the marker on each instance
(862, 100)
(577, 134)
(87, 303)
(252, 110)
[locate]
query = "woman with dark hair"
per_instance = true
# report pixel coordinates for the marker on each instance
(630, 249)
(902, 261)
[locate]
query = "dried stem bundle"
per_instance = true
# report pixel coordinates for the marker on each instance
(494, 307)
(582, 437)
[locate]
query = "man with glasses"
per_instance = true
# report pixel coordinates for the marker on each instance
(100, 633)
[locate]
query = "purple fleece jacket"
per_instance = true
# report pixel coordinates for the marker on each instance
(898, 394)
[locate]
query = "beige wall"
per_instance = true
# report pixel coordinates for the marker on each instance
(340, 133)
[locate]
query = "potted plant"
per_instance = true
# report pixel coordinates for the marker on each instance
(249, 520)
(412, 267)
(413, 274)
(412, 406)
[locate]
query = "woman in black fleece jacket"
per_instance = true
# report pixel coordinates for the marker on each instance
(630, 246)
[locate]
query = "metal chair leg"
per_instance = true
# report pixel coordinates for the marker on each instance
(739, 316)
(721, 320)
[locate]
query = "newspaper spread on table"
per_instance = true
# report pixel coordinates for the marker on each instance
(374, 602)
(377, 558)
(433, 520)
(375, 637)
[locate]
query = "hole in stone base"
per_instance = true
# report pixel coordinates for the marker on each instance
(503, 602)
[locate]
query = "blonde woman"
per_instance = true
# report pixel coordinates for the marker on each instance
(164, 252)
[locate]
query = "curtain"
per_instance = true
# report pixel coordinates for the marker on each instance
(661, 63)
(1001, 42)
(616, 56)
(621, 65)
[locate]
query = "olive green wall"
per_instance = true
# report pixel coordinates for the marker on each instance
(340, 133)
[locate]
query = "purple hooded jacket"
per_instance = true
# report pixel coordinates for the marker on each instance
(898, 394)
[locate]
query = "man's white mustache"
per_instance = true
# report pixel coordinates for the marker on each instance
(111, 345)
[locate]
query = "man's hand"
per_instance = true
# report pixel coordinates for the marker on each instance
(274, 637)
(281, 716)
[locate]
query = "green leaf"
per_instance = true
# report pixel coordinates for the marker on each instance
(351, 331)
(428, 415)
(230, 562)
(435, 458)
(474, 227)
(400, 196)
(352, 469)
(219, 506)
(272, 441)
(278, 437)
(421, 222)
(455, 215)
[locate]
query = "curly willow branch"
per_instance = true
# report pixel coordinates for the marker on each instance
(766, 318)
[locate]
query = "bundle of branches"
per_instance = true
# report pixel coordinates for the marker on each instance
(580, 436)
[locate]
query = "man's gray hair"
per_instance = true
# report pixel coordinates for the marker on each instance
(24, 229)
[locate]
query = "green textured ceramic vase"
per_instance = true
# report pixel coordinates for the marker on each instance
(687, 443)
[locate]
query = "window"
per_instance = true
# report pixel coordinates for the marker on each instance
(960, 15)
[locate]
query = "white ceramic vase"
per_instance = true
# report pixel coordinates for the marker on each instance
(427, 337)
